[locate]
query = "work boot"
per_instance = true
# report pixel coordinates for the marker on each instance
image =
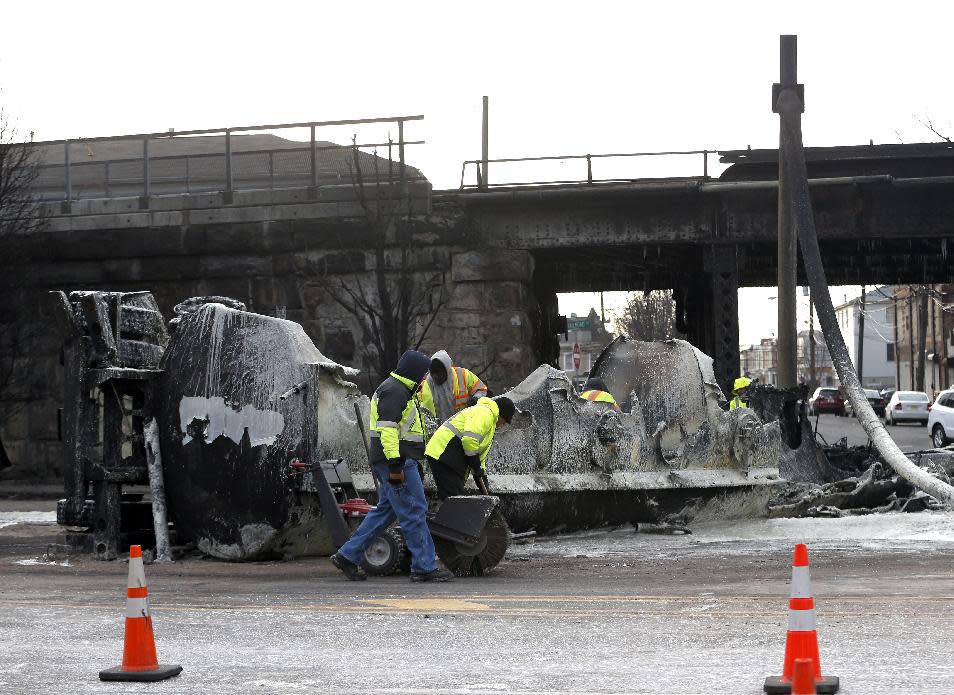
(438, 574)
(351, 570)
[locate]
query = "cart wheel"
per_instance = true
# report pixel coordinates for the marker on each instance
(386, 553)
(473, 561)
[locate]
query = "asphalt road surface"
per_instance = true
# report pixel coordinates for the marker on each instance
(594, 612)
(910, 437)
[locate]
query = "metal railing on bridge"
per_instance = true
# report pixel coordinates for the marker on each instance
(480, 168)
(196, 167)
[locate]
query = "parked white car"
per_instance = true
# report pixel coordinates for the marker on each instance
(908, 406)
(941, 419)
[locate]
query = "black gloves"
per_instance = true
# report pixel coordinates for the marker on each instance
(480, 477)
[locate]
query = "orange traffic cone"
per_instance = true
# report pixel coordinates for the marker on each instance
(801, 641)
(803, 677)
(139, 647)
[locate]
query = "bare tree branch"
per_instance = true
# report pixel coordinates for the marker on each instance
(926, 122)
(648, 316)
(431, 314)
(19, 217)
(400, 309)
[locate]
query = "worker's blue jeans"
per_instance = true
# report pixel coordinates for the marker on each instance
(408, 505)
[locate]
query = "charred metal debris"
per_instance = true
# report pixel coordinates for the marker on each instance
(112, 345)
(834, 480)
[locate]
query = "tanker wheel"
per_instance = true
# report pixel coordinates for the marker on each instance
(475, 560)
(386, 553)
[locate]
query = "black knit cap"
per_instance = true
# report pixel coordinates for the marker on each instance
(413, 365)
(506, 407)
(594, 383)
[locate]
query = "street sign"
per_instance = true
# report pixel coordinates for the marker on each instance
(575, 323)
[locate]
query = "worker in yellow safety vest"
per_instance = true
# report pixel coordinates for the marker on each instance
(463, 443)
(449, 389)
(738, 388)
(595, 390)
(397, 445)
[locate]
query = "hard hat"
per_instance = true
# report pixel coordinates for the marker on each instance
(741, 383)
(595, 383)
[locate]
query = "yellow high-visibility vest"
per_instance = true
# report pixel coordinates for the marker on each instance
(600, 397)
(474, 426)
(391, 433)
(466, 385)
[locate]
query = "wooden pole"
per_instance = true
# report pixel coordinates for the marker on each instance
(787, 252)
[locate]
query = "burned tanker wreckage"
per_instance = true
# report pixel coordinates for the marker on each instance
(835, 480)
(246, 433)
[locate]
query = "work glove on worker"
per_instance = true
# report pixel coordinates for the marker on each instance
(483, 484)
(396, 471)
(480, 477)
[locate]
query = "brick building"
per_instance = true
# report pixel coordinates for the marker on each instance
(938, 339)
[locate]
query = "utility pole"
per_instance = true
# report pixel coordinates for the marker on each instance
(922, 334)
(861, 338)
(811, 345)
(485, 145)
(787, 253)
(934, 377)
(911, 336)
(897, 342)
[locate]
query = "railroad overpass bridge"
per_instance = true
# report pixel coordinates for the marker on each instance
(885, 213)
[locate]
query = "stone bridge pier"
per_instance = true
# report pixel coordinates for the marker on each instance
(492, 321)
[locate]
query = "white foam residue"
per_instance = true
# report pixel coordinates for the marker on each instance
(896, 531)
(40, 518)
(254, 538)
(223, 420)
(896, 526)
(43, 561)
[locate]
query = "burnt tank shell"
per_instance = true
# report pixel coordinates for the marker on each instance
(227, 437)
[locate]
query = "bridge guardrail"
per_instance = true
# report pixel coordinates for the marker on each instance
(203, 172)
(481, 166)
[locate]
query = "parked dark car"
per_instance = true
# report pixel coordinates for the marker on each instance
(874, 399)
(826, 400)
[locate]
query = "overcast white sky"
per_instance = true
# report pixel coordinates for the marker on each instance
(563, 77)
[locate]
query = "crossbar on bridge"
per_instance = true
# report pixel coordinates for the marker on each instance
(213, 131)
